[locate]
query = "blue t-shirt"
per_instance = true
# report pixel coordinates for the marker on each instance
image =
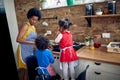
(44, 58)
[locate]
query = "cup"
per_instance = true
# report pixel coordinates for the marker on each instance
(49, 32)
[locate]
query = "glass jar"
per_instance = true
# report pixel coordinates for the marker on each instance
(112, 7)
(91, 41)
(97, 41)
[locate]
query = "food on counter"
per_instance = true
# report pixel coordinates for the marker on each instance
(92, 48)
(76, 46)
(54, 44)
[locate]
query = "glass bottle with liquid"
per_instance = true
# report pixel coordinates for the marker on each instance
(92, 43)
(97, 41)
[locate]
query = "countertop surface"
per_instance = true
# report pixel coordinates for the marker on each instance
(99, 54)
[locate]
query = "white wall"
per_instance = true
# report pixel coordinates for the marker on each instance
(12, 22)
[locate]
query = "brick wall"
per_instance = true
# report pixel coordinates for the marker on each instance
(80, 28)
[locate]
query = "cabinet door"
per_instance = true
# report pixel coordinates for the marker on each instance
(56, 65)
(100, 70)
(82, 65)
(93, 74)
(110, 68)
(101, 66)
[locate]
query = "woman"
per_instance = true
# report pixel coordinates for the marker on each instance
(26, 38)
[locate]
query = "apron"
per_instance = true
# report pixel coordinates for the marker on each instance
(70, 50)
(25, 50)
(49, 69)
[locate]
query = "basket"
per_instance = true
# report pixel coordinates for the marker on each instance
(113, 47)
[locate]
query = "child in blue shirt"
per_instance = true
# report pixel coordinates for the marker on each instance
(44, 56)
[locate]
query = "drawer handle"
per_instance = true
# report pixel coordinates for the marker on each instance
(55, 57)
(98, 73)
(97, 63)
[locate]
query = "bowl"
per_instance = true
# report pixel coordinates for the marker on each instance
(98, 13)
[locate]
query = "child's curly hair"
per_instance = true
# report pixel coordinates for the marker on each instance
(42, 42)
(65, 23)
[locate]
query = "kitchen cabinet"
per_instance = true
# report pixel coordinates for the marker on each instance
(102, 65)
(99, 70)
(56, 64)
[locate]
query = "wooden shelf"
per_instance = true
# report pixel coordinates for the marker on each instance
(104, 15)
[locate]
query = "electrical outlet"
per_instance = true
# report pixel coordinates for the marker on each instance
(105, 35)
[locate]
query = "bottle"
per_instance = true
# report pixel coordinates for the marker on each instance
(91, 43)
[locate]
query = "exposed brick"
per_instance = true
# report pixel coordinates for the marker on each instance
(80, 29)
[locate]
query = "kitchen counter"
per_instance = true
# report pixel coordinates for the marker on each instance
(99, 54)
(93, 58)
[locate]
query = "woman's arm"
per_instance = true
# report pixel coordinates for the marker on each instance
(21, 33)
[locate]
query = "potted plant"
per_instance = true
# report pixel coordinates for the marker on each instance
(70, 2)
(43, 1)
(87, 39)
(44, 4)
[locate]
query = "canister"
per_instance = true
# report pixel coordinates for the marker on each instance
(70, 2)
(89, 9)
(112, 7)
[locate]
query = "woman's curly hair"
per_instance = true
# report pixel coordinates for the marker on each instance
(34, 12)
(42, 42)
